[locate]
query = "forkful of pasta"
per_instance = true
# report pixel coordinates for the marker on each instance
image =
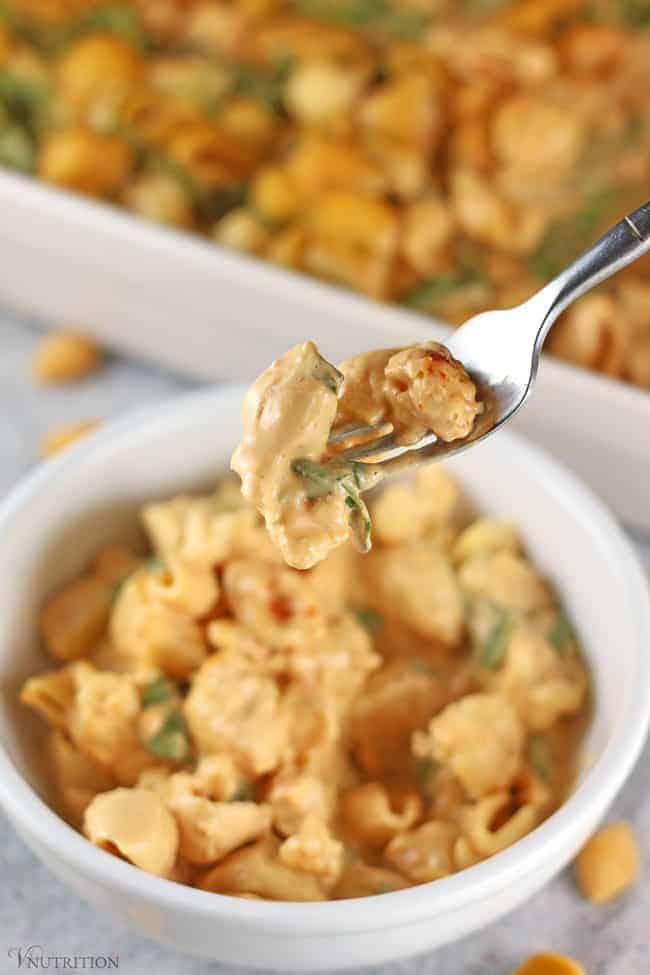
(316, 436)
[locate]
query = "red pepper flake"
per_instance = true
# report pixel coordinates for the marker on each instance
(281, 607)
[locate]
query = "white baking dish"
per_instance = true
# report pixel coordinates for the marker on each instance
(213, 314)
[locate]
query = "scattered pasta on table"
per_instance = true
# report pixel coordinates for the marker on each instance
(63, 356)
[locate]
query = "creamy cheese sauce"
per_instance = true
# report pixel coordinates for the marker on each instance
(293, 406)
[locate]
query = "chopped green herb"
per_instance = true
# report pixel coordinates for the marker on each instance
(430, 293)
(16, 149)
(324, 479)
(369, 618)
(569, 236)
(171, 740)
(419, 665)
(153, 563)
(263, 86)
(636, 13)
(561, 634)
(493, 650)
(321, 477)
(385, 889)
(539, 755)
(633, 130)
(243, 792)
(156, 692)
(18, 91)
(117, 19)
(381, 14)
(484, 5)
(217, 203)
(328, 374)
(209, 204)
(424, 769)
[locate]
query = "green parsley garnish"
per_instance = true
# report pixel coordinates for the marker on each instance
(407, 24)
(494, 647)
(266, 87)
(424, 769)
(633, 130)
(171, 740)
(156, 692)
(384, 889)
(569, 236)
(561, 634)
(369, 618)
(153, 563)
(539, 755)
(17, 149)
(325, 479)
(243, 792)
(328, 374)
(419, 665)
(209, 205)
(636, 13)
(428, 294)
(119, 19)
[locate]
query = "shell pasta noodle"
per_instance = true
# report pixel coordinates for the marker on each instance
(449, 156)
(220, 719)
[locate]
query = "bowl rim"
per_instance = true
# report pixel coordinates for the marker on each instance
(31, 815)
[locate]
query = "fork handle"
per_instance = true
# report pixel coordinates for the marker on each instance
(622, 244)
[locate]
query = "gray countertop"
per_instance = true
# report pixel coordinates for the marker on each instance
(36, 909)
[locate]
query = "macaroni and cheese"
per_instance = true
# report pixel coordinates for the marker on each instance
(222, 720)
(450, 155)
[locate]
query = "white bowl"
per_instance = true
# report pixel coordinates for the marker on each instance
(53, 522)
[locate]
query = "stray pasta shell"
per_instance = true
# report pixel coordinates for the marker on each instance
(63, 356)
(549, 963)
(62, 436)
(608, 863)
(137, 824)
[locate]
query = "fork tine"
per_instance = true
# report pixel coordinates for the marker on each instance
(367, 449)
(352, 430)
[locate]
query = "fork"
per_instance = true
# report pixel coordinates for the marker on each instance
(500, 350)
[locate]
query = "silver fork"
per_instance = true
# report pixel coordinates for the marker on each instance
(500, 350)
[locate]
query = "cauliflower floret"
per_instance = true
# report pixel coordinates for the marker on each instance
(102, 721)
(210, 830)
(507, 579)
(425, 853)
(418, 586)
(233, 707)
(540, 682)
(480, 738)
(427, 505)
(314, 850)
(294, 798)
(276, 604)
(428, 390)
(149, 635)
